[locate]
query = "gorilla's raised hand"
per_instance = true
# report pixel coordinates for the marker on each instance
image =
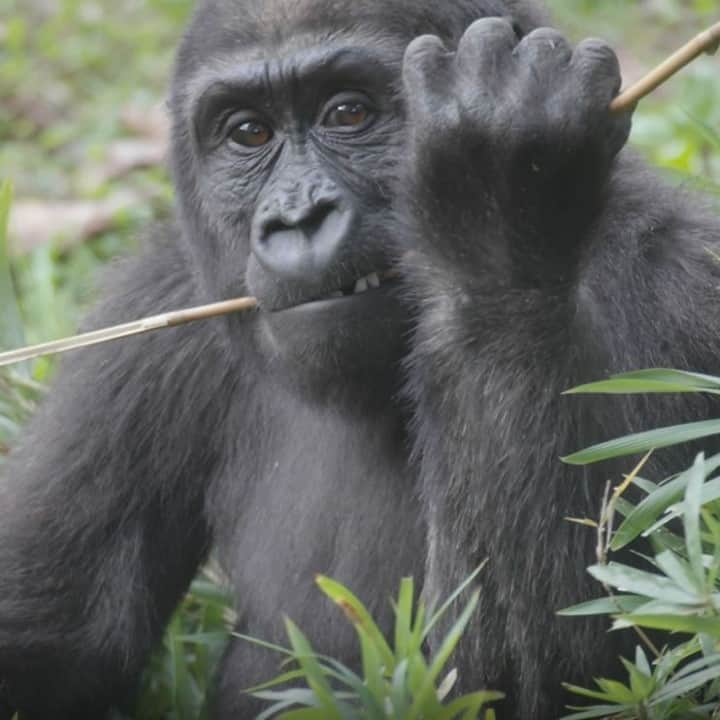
(510, 196)
(527, 120)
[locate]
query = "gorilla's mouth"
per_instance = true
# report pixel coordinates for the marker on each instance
(365, 285)
(373, 281)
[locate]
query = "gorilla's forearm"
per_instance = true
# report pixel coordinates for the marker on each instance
(644, 266)
(102, 521)
(490, 358)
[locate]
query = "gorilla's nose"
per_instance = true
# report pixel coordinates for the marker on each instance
(302, 238)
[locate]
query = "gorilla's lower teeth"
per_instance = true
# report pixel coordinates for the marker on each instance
(369, 282)
(361, 285)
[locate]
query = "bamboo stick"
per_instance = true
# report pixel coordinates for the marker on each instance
(138, 327)
(706, 42)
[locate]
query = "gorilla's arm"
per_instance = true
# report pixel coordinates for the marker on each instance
(543, 261)
(102, 519)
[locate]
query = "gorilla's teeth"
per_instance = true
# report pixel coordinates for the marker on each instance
(361, 285)
(373, 280)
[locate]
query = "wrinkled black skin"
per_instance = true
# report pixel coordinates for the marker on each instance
(413, 431)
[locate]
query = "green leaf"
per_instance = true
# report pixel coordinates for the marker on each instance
(472, 703)
(641, 661)
(425, 700)
(372, 665)
(617, 692)
(681, 377)
(636, 581)
(599, 711)
(605, 606)
(305, 656)
(659, 380)
(693, 503)
(645, 441)
(278, 681)
(642, 684)
(664, 607)
(211, 592)
(694, 624)
(705, 661)
(586, 692)
(404, 617)
(650, 509)
(303, 714)
(263, 644)
(398, 690)
(185, 693)
(634, 387)
(358, 615)
(679, 571)
(678, 688)
(448, 603)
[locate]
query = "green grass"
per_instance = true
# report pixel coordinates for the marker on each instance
(397, 680)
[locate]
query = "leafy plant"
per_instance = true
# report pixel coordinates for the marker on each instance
(18, 392)
(178, 681)
(397, 681)
(678, 592)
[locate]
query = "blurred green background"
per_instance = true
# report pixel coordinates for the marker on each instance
(82, 138)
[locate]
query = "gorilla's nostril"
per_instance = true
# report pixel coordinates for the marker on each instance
(311, 224)
(307, 220)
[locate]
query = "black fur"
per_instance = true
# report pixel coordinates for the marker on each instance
(414, 430)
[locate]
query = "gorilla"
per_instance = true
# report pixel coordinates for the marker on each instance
(433, 206)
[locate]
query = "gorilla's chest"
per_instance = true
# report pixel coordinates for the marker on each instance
(327, 493)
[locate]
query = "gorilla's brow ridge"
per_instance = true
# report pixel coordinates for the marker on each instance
(239, 77)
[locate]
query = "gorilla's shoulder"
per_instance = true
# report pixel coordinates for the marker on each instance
(155, 280)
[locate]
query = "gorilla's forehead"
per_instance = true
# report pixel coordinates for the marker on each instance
(266, 28)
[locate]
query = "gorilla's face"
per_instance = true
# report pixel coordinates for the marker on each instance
(286, 152)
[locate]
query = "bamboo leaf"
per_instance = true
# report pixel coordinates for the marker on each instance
(316, 679)
(403, 617)
(358, 615)
(693, 624)
(640, 582)
(605, 606)
(652, 507)
(644, 441)
(693, 503)
(425, 697)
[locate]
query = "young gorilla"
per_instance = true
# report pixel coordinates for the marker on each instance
(317, 144)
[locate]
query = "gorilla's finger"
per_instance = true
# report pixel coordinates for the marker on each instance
(542, 46)
(486, 47)
(426, 66)
(596, 62)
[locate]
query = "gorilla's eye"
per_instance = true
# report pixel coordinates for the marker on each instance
(251, 133)
(347, 114)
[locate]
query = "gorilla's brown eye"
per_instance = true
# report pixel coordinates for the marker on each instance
(251, 133)
(348, 114)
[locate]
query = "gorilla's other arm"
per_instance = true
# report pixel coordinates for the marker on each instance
(102, 523)
(543, 261)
